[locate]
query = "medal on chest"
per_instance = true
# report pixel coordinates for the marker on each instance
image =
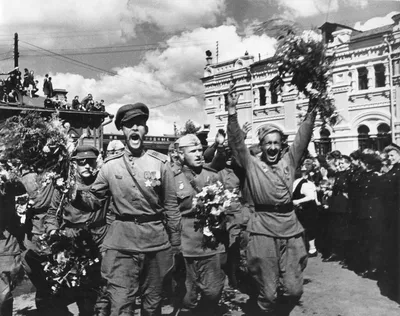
(152, 178)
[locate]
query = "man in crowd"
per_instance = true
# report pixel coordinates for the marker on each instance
(276, 249)
(10, 235)
(137, 246)
(203, 265)
(75, 219)
(392, 218)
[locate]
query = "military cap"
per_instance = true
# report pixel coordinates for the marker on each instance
(129, 111)
(115, 144)
(85, 152)
(268, 129)
(391, 147)
(189, 140)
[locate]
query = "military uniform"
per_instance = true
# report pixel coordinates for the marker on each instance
(276, 246)
(370, 218)
(10, 251)
(40, 199)
(392, 226)
(203, 265)
(138, 244)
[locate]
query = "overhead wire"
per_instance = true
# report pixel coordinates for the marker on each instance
(95, 68)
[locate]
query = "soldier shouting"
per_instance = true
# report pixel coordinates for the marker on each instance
(276, 251)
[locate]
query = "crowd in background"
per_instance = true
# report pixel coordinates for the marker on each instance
(26, 85)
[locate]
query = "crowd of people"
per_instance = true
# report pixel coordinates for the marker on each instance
(26, 85)
(138, 206)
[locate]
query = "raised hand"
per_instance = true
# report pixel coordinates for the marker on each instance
(232, 99)
(246, 127)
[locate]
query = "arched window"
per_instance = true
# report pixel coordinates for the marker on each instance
(384, 138)
(364, 140)
(323, 145)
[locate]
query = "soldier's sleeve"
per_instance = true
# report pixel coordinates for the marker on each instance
(236, 142)
(94, 199)
(209, 153)
(218, 161)
(302, 139)
(172, 214)
(50, 220)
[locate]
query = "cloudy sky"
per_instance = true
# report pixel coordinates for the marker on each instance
(153, 51)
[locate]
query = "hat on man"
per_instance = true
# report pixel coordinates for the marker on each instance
(189, 140)
(391, 147)
(129, 111)
(115, 144)
(85, 152)
(268, 129)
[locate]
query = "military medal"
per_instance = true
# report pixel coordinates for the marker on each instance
(148, 181)
(181, 186)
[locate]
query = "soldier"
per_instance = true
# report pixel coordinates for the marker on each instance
(392, 218)
(76, 219)
(115, 147)
(138, 244)
(203, 265)
(39, 202)
(10, 235)
(276, 248)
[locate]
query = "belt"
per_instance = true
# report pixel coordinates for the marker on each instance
(283, 208)
(85, 225)
(140, 219)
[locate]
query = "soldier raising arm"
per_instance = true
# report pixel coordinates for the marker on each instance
(273, 227)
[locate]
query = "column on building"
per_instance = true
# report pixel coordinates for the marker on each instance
(353, 79)
(371, 76)
(256, 96)
(387, 75)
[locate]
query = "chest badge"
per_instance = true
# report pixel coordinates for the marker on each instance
(153, 178)
(181, 186)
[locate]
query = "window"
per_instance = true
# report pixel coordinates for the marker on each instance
(364, 140)
(324, 144)
(274, 97)
(362, 78)
(262, 96)
(226, 102)
(384, 138)
(379, 76)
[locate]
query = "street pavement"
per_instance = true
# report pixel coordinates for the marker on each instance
(329, 290)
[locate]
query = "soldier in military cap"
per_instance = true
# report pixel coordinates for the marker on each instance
(76, 217)
(203, 265)
(137, 246)
(276, 249)
(115, 147)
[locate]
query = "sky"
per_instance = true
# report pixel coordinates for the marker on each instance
(153, 51)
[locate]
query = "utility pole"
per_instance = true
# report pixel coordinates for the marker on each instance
(16, 53)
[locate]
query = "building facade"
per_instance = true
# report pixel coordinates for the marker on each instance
(365, 84)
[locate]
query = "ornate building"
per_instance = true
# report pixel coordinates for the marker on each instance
(365, 85)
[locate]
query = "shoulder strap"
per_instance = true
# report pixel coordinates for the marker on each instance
(155, 154)
(139, 186)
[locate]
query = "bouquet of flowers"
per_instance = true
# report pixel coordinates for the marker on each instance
(73, 259)
(304, 58)
(210, 205)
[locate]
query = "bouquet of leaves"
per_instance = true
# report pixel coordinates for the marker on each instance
(73, 260)
(36, 142)
(210, 215)
(304, 58)
(190, 127)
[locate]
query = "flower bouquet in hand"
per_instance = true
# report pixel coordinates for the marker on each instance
(210, 215)
(73, 261)
(305, 60)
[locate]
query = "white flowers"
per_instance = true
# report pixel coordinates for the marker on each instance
(311, 36)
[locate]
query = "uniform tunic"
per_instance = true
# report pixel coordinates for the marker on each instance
(191, 239)
(270, 184)
(276, 250)
(157, 181)
(75, 217)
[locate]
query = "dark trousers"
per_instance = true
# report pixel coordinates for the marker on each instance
(275, 262)
(9, 269)
(204, 274)
(127, 272)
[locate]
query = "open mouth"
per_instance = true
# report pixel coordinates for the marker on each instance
(135, 139)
